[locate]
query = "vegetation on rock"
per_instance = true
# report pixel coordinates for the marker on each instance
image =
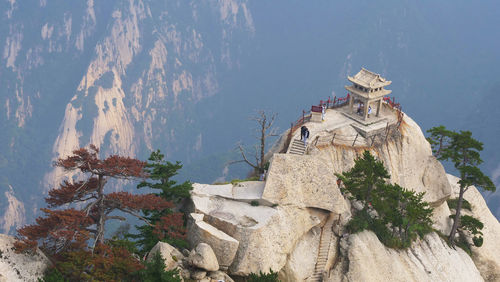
(463, 151)
(72, 231)
(263, 277)
(395, 214)
(166, 224)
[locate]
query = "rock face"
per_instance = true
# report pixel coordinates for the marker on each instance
(223, 245)
(171, 255)
(265, 234)
(427, 260)
(302, 259)
(204, 257)
(281, 228)
(486, 257)
(293, 180)
(20, 267)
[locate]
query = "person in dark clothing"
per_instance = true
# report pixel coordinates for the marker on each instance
(306, 135)
(302, 132)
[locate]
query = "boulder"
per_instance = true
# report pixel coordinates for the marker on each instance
(223, 245)
(170, 255)
(198, 274)
(486, 257)
(266, 235)
(302, 259)
(303, 181)
(220, 276)
(430, 259)
(440, 218)
(246, 191)
(20, 267)
(204, 257)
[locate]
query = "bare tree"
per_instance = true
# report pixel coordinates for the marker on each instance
(265, 129)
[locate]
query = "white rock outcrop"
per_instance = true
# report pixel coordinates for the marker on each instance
(486, 257)
(20, 267)
(283, 232)
(303, 181)
(430, 259)
(171, 256)
(301, 261)
(223, 245)
(266, 235)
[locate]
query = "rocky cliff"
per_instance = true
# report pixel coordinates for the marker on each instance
(124, 75)
(293, 222)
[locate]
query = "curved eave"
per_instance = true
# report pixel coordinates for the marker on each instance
(369, 85)
(368, 95)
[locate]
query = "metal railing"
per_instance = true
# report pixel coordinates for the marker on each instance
(320, 141)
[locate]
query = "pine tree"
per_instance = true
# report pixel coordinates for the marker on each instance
(167, 224)
(400, 215)
(83, 207)
(362, 179)
(464, 152)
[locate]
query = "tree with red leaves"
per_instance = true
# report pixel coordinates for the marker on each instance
(68, 228)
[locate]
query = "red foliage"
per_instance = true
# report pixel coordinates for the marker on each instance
(107, 263)
(87, 161)
(60, 229)
(73, 192)
(70, 228)
(170, 226)
(125, 200)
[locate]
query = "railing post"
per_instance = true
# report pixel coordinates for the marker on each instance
(303, 117)
(316, 142)
(328, 105)
(355, 139)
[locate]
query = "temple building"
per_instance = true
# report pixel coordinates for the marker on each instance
(367, 90)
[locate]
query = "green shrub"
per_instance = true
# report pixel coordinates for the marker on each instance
(53, 275)
(263, 277)
(452, 204)
(401, 215)
(254, 203)
(359, 222)
(236, 181)
(478, 241)
(470, 227)
(154, 271)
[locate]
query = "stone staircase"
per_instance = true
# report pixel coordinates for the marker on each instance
(297, 147)
(324, 249)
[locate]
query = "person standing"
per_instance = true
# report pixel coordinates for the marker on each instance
(369, 110)
(306, 135)
(323, 110)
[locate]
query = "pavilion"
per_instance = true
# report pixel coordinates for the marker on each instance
(367, 88)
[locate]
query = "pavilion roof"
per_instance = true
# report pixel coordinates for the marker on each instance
(369, 79)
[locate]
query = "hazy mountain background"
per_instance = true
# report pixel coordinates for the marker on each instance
(185, 76)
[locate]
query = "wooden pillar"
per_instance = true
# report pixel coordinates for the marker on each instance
(365, 110)
(379, 106)
(351, 102)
